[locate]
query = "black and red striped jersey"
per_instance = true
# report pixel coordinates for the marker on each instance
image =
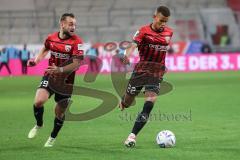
(63, 50)
(152, 47)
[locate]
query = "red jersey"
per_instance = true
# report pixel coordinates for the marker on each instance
(62, 50)
(152, 47)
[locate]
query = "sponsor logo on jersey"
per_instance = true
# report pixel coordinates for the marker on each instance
(60, 55)
(167, 39)
(158, 47)
(68, 48)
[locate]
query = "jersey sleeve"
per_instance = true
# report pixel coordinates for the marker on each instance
(78, 50)
(46, 43)
(138, 36)
(168, 39)
(171, 35)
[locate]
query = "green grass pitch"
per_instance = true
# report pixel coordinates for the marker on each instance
(203, 111)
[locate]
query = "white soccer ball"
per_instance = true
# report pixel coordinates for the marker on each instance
(166, 139)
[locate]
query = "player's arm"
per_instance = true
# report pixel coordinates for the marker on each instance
(128, 52)
(71, 67)
(66, 69)
(42, 54)
(137, 39)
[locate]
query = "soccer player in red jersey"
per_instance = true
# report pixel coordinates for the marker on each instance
(152, 41)
(64, 47)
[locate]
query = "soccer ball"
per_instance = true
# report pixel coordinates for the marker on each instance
(166, 139)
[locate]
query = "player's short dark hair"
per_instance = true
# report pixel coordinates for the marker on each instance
(65, 15)
(164, 10)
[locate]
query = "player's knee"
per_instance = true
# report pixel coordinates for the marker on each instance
(59, 113)
(60, 109)
(40, 99)
(60, 116)
(39, 103)
(150, 96)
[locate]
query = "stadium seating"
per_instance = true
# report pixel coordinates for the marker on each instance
(23, 5)
(234, 4)
(188, 25)
(214, 17)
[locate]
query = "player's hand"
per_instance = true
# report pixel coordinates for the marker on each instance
(31, 63)
(125, 60)
(53, 69)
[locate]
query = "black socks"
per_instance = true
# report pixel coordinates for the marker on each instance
(58, 123)
(142, 117)
(38, 114)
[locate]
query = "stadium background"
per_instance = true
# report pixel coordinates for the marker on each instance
(203, 66)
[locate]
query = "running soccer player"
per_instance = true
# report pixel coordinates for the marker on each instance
(64, 46)
(152, 41)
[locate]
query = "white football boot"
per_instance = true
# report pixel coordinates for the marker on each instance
(130, 141)
(34, 131)
(50, 142)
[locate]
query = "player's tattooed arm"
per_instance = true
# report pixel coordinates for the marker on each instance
(66, 69)
(128, 52)
(43, 53)
(71, 67)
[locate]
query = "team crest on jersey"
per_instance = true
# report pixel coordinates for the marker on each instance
(68, 47)
(167, 39)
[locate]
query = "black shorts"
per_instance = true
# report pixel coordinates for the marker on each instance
(58, 97)
(140, 80)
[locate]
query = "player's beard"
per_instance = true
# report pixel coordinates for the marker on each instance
(159, 27)
(67, 33)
